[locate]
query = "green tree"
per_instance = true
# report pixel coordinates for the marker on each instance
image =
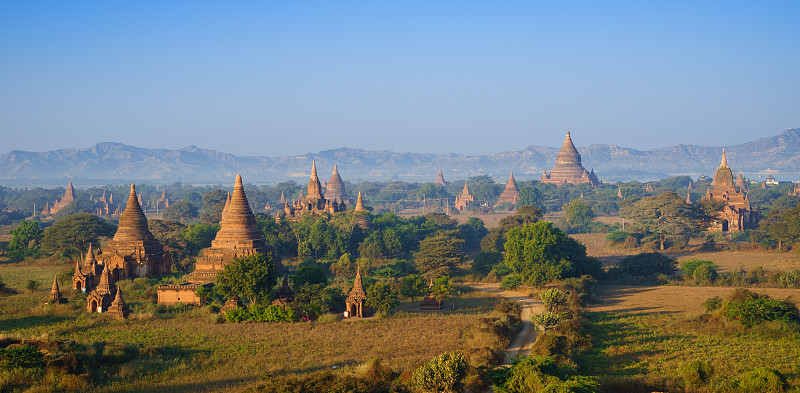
(413, 285)
(668, 217)
(199, 236)
(180, 211)
(213, 203)
(25, 240)
(250, 277)
(782, 225)
(443, 374)
(540, 253)
(529, 196)
(442, 288)
(382, 297)
(578, 213)
(431, 192)
(309, 274)
(439, 254)
(71, 237)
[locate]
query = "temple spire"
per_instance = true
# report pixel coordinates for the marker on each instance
(724, 163)
(359, 203)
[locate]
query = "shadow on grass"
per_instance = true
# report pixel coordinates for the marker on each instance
(619, 346)
(610, 295)
(30, 321)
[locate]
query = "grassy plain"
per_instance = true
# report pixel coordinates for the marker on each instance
(190, 351)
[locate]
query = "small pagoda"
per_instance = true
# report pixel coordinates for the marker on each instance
(430, 302)
(284, 296)
(357, 299)
(55, 293)
(464, 199)
(510, 194)
(118, 308)
(440, 179)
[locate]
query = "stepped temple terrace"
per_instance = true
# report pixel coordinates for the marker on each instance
(238, 236)
(568, 167)
(737, 214)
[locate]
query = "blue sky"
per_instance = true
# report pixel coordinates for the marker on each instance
(286, 78)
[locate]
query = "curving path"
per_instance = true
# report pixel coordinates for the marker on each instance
(523, 342)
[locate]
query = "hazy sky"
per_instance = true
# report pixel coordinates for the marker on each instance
(290, 77)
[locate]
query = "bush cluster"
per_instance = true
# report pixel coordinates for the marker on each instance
(257, 313)
(749, 308)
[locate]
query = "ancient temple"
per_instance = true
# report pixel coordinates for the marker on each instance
(334, 190)
(238, 236)
(510, 194)
(430, 302)
(357, 299)
(314, 202)
(134, 252)
(55, 293)
(105, 205)
(118, 308)
(464, 199)
(163, 202)
(360, 203)
(69, 196)
(737, 214)
(740, 183)
(795, 191)
(568, 167)
(100, 299)
(440, 179)
(87, 276)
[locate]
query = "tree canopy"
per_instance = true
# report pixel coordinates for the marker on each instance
(249, 277)
(70, 237)
(540, 253)
(668, 217)
(439, 254)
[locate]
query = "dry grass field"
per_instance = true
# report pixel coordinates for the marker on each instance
(670, 299)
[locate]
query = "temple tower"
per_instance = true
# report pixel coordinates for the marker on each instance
(464, 199)
(238, 236)
(568, 167)
(737, 214)
(440, 179)
(357, 298)
(335, 191)
(510, 194)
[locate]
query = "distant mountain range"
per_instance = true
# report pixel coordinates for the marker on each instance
(109, 162)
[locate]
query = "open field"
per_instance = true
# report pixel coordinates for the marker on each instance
(670, 299)
(190, 351)
(728, 261)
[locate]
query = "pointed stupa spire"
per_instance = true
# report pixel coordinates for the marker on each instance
(511, 184)
(688, 198)
(90, 257)
(740, 181)
(568, 155)
(227, 203)
(238, 223)
(55, 289)
(358, 287)
(619, 193)
(78, 270)
(465, 190)
(118, 299)
(314, 186)
(132, 221)
(440, 179)
(724, 162)
(104, 286)
(360, 203)
(283, 198)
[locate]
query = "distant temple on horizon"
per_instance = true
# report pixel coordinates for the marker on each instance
(568, 167)
(737, 214)
(315, 202)
(510, 194)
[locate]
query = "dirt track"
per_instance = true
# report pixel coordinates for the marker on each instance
(523, 343)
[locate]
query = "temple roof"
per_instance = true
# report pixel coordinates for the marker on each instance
(358, 288)
(132, 222)
(238, 223)
(511, 184)
(723, 176)
(335, 188)
(314, 186)
(568, 155)
(55, 286)
(118, 302)
(90, 258)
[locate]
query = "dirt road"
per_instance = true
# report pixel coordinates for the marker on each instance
(523, 343)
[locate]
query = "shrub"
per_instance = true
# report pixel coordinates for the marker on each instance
(691, 266)
(511, 281)
(696, 373)
(543, 374)
(237, 315)
(484, 261)
(273, 313)
(553, 299)
(750, 309)
(761, 380)
(546, 320)
(646, 264)
(443, 373)
(712, 304)
(705, 274)
(789, 279)
(23, 356)
(617, 236)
